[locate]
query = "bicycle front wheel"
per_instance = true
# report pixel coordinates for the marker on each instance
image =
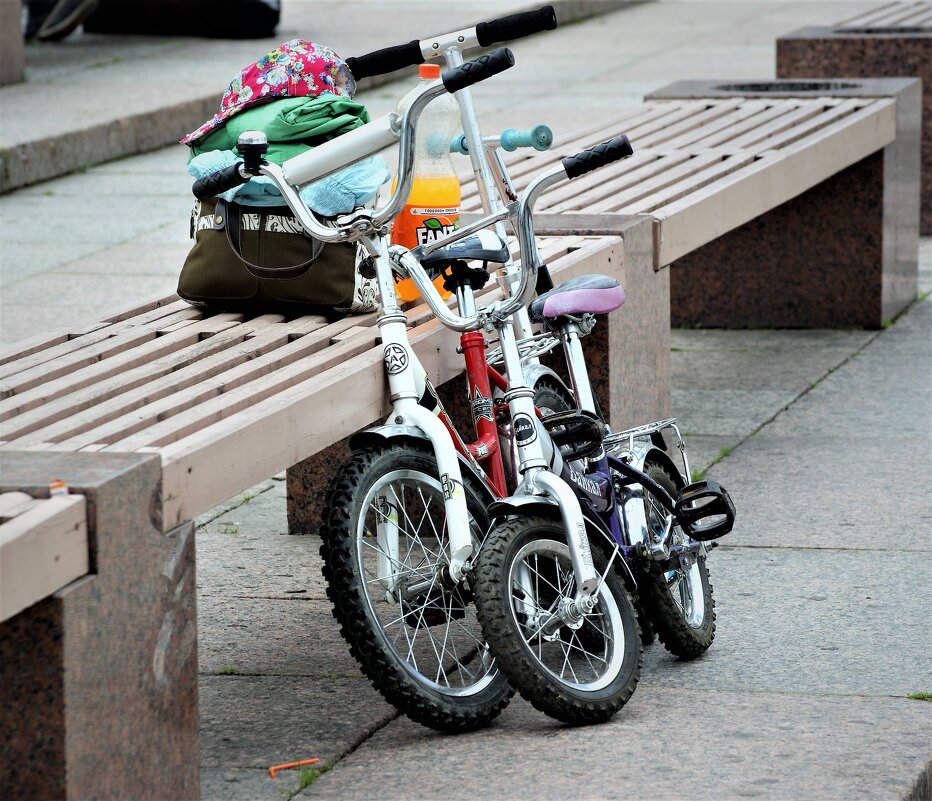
(414, 633)
(577, 672)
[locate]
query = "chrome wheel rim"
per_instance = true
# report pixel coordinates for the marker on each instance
(431, 628)
(586, 658)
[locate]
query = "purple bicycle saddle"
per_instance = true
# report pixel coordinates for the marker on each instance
(587, 294)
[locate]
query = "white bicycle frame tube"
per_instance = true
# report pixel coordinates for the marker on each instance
(406, 385)
(485, 178)
(533, 465)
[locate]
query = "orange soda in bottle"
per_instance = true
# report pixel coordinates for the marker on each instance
(433, 208)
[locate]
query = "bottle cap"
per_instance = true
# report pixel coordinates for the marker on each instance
(428, 71)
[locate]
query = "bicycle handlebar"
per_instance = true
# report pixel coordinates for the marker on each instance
(516, 26)
(478, 69)
(217, 183)
(390, 59)
(598, 156)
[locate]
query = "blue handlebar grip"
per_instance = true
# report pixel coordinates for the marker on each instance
(540, 137)
(458, 145)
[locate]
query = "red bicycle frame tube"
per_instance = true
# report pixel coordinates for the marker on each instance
(485, 450)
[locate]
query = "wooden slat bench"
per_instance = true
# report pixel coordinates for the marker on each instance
(890, 40)
(158, 413)
(778, 204)
(247, 392)
(43, 548)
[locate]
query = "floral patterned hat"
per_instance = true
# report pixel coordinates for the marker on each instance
(296, 68)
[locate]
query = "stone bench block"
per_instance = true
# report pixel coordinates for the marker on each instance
(846, 52)
(12, 54)
(842, 254)
(98, 682)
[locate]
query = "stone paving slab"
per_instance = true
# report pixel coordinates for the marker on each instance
(249, 723)
(778, 340)
(703, 450)
(813, 491)
(666, 744)
(272, 637)
(253, 493)
(727, 412)
(252, 564)
(796, 620)
(754, 369)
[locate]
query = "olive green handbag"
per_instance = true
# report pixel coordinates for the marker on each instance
(259, 257)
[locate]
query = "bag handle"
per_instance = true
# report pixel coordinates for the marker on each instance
(233, 225)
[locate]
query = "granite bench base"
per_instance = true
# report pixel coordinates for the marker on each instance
(863, 53)
(98, 683)
(628, 355)
(842, 254)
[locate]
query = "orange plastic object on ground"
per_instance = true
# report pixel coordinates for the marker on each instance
(275, 768)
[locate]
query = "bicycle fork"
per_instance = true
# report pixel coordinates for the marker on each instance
(407, 383)
(536, 455)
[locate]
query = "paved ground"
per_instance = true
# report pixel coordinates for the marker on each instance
(823, 437)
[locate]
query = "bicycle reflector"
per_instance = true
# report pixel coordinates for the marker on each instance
(707, 509)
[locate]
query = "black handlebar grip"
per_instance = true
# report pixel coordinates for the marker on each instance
(478, 69)
(388, 59)
(598, 156)
(218, 182)
(515, 26)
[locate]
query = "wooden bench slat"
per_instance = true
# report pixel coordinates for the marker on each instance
(129, 352)
(635, 179)
(650, 137)
(793, 116)
(690, 125)
(63, 414)
(728, 136)
(90, 335)
(244, 396)
(66, 414)
(84, 351)
(810, 127)
(891, 15)
(678, 170)
(173, 390)
(694, 136)
(714, 170)
(42, 550)
(29, 345)
(864, 19)
(523, 171)
(524, 163)
(15, 503)
(699, 218)
(907, 16)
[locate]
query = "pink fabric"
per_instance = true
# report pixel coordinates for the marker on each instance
(297, 68)
(580, 301)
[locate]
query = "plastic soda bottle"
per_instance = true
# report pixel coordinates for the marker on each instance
(433, 207)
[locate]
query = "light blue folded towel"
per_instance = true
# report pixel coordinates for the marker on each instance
(340, 193)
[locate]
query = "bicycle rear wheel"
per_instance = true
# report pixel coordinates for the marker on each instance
(678, 599)
(413, 632)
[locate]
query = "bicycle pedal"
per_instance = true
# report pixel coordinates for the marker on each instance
(707, 508)
(575, 432)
